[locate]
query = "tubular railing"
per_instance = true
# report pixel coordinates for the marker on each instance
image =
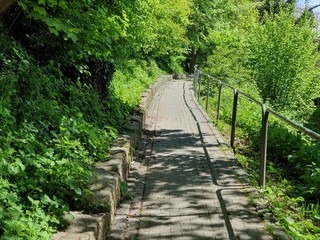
(265, 111)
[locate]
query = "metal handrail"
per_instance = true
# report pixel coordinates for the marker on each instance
(301, 128)
(264, 124)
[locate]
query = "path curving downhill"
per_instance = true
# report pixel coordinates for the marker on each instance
(184, 186)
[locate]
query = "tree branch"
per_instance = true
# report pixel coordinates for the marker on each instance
(5, 4)
(310, 9)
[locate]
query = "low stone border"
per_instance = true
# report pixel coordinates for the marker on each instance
(108, 176)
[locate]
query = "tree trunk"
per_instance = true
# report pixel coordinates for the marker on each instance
(4, 4)
(102, 73)
(193, 59)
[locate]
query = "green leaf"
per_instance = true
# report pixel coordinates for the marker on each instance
(77, 190)
(63, 4)
(53, 31)
(1, 212)
(40, 10)
(288, 220)
(73, 37)
(45, 199)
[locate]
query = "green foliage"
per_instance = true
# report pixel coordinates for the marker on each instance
(293, 163)
(299, 220)
(52, 130)
(61, 106)
(18, 223)
(218, 33)
(227, 61)
(306, 161)
(158, 28)
(130, 80)
(284, 61)
(176, 63)
(102, 31)
(86, 28)
(125, 191)
(49, 136)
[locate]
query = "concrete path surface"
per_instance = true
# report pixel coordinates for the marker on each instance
(184, 185)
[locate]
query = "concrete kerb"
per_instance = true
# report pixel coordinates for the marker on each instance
(108, 177)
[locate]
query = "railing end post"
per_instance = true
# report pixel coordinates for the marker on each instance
(234, 117)
(219, 100)
(264, 145)
(199, 87)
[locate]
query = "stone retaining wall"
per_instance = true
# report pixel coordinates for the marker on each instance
(108, 177)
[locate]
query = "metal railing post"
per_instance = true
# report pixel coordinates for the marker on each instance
(199, 81)
(195, 79)
(208, 92)
(234, 117)
(219, 100)
(263, 148)
(265, 114)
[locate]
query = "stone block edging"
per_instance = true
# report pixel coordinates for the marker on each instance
(109, 175)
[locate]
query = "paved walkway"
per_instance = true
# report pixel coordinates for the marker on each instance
(184, 185)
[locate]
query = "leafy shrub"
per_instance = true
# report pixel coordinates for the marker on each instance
(19, 223)
(130, 80)
(175, 64)
(283, 58)
(283, 141)
(51, 132)
(94, 139)
(53, 129)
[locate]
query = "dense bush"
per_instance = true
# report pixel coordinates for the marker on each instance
(283, 58)
(46, 143)
(53, 128)
(131, 79)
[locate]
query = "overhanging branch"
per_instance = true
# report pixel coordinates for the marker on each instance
(314, 7)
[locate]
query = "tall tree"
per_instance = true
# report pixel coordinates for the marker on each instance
(157, 28)
(202, 19)
(283, 59)
(223, 52)
(212, 19)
